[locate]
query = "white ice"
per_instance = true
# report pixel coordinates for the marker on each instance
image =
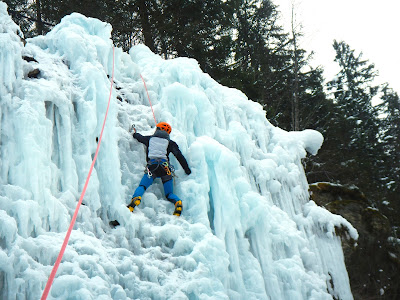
(248, 229)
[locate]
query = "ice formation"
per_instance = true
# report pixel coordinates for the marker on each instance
(248, 229)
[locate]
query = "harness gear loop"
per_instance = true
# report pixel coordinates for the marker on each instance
(166, 168)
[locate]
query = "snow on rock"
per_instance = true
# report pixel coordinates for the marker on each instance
(248, 229)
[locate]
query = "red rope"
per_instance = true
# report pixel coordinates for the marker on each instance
(149, 98)
(64, 245)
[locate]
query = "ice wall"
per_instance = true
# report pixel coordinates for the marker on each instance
(248, 229)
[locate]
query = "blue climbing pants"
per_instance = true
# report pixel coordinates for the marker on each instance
(148, 180)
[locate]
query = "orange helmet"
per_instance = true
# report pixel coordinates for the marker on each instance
(164, 126)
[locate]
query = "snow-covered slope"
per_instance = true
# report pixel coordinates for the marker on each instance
(248, 229)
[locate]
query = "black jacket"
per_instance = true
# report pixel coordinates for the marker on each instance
(172, 147)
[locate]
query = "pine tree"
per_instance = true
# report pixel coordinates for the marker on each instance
(354, 90)
(320, 113)
(127, 24)
(390, 135)
(194, 28)
(391, 125)
(261, 59)
(23, 15)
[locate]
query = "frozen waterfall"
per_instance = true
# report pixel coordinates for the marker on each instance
(248, 229)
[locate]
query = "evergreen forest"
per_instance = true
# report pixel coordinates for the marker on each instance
(241, 44)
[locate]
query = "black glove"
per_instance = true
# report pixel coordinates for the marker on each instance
(188, 171)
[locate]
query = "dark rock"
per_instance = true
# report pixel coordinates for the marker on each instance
(29, 59)
(373, 265)
(34, 73)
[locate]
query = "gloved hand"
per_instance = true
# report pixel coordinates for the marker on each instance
(132, 129)
(188, 171)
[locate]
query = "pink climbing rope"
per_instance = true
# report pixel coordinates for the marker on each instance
(149, 98)
(64, 245)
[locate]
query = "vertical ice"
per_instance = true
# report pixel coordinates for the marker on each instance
(248, 229)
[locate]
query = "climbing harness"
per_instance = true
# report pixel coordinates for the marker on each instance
(169, 169)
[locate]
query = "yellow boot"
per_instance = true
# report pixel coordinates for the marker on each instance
(135, 202)
(178, 208)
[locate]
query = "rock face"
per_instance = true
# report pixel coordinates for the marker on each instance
(373, 264)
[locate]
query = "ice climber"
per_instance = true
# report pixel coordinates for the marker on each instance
(158, 148)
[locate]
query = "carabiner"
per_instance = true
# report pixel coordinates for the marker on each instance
(166, 168)
(149, 174)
